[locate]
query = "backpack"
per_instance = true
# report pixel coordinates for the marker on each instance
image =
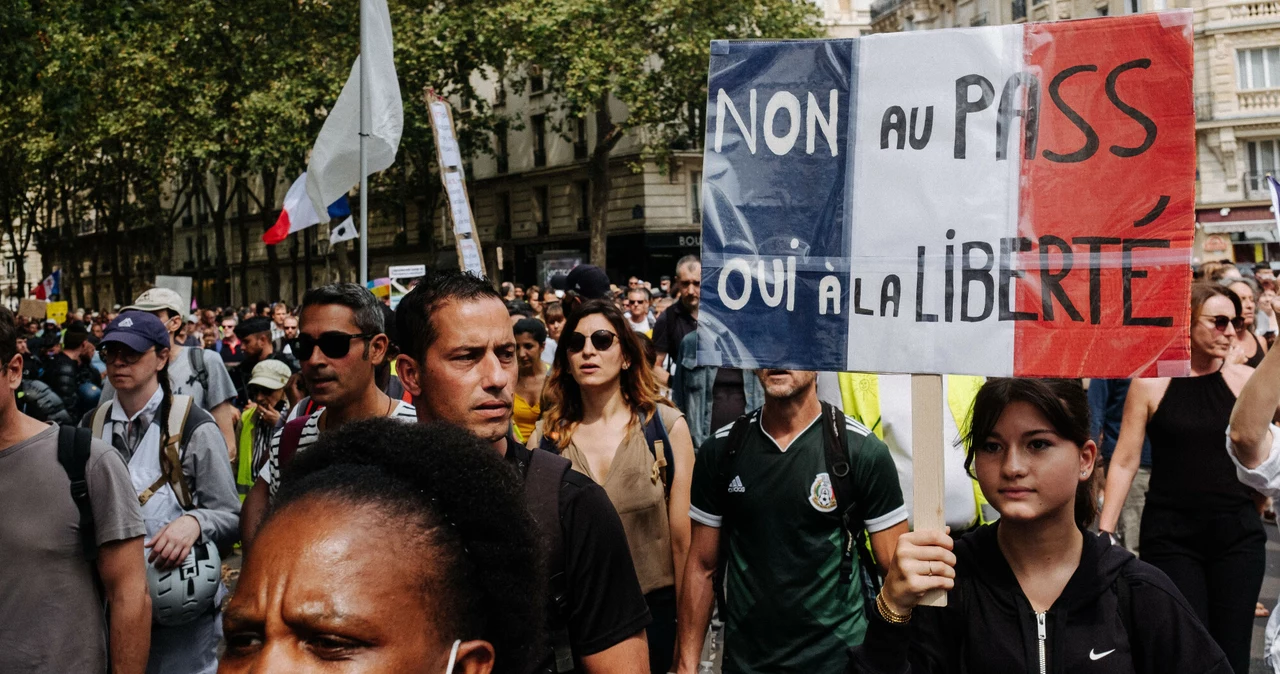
(542, 481)
(200, 373)
(839, 470)
(73, 454)
(181, 423)
(655, 435)
(289, 439)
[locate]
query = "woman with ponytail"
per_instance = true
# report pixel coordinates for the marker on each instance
(184, 485)
(1035, 591)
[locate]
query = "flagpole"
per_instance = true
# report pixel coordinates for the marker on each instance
(364, 158)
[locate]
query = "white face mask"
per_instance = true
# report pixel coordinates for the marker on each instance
(453, 656)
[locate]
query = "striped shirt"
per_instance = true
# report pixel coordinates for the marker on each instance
(310, 433)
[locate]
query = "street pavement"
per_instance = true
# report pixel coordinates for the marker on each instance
(1270, 590)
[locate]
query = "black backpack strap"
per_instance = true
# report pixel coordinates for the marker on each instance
(198, 368)
(73, 454)
(725, 474)
(542, 490)
(1124, 606)
(840, 471)
(656, 432)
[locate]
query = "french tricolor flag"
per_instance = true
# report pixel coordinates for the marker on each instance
(298, 214)
(1004, 201)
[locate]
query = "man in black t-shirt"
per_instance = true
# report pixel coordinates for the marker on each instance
(459, 362)
(728, 399)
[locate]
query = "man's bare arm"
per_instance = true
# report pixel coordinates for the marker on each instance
(122, 568)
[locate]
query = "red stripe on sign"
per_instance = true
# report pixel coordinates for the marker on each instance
(1106, 208)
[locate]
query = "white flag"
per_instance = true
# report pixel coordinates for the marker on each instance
(335, 159)
(344, 232)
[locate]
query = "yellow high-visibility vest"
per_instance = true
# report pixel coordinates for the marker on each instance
(860, 397)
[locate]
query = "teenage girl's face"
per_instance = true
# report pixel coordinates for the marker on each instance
(1247, 302)
(1205, 337)
(1026, 470)
(592, 366)
(329, 587)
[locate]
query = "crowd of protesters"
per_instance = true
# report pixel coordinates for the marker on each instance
(510, 478)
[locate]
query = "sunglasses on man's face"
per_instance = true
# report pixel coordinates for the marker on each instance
(600, 339)
(333, 344)
(115, 350)
(1220, 323)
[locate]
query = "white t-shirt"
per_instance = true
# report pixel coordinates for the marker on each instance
(895, 419)
(310, 433)
(1265, 479)
(645, 324)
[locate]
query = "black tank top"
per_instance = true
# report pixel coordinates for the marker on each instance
(1258, 355)
(1190, 467)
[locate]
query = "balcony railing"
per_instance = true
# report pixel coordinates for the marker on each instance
(1258, 100)
(1204, 107)
(1247, 11)
(1255, 185)
(880, 8)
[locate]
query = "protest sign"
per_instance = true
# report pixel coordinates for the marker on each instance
(33, 309)
(178, 284)
(56, 311)
(1007, 200)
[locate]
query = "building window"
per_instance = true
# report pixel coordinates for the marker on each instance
(582, 189)
(580, 138)
(501, 148)
(1258, 68)
(1019, 9)
(10, 269)
(536, 83)
(695, 196)
(539, 124)
(543, 209)
(504, 217)
(1264, 158)
(191, 254)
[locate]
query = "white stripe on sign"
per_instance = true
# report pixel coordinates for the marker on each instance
(912, 100)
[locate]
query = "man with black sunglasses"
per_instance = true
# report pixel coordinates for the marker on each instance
(341, 342)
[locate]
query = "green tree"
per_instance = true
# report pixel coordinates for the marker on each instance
(651, 56)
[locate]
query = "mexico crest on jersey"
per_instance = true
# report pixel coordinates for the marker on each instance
(822, 496)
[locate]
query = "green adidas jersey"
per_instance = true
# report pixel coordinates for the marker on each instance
(787, 609)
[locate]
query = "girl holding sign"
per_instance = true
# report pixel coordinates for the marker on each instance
(1034, 592)
(1200, 525)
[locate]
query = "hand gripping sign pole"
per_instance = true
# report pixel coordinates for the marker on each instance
(927, 462)
(470, 257)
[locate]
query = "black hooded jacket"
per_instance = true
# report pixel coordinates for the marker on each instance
(989, 625)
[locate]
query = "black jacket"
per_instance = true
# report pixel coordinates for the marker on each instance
(989, 626)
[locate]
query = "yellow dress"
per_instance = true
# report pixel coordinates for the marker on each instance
(525, 416)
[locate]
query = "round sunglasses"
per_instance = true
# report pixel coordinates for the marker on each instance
(1220, 323)
(600, 339)
(333, 344)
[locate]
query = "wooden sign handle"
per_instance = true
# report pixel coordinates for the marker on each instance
(927, 462)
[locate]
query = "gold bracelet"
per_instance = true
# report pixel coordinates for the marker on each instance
(889, 615)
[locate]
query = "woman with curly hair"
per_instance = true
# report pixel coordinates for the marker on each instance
(391, 547)
(605, 415)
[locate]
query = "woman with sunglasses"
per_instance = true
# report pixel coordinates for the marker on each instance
(602, 402)
(1251, 347)
(1201, 525)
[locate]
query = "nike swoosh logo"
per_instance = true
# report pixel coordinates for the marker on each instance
(1099, 656)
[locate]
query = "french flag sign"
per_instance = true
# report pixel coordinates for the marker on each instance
(1003, 201)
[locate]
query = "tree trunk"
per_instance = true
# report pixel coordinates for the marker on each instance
(307, 236)
(268, 219)
(222, 286)
(242, 228)
(607, 136)
(293, 257)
